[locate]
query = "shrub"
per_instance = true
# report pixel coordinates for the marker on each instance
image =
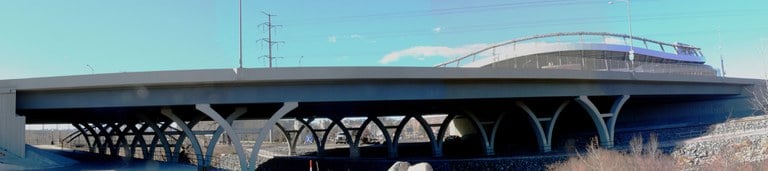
(597, 158)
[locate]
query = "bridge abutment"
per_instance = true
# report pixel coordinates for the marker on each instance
(12, 126)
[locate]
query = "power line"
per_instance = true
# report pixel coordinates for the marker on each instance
(554, 22)
(269, 40)
(442, 11)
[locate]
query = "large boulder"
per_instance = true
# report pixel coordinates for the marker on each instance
(405, 166)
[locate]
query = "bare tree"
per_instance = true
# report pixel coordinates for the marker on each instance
(760, 97)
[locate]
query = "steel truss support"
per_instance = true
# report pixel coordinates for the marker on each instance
(396, 138)
(107, 131)
(290, 136)
(486, 138)
(430, 134)
(82, 130)
(224, 125)
(71, 136)
(318, 144)
(180, 140)
(138, 137)
(433, 140)
(167, 112)
(441, 134)
(381, 127)
(285, 109)
(159, 135)
(543, 138)
(327, 131)
(101, 146)
(605, 131)
(354, 152)
(121, 141)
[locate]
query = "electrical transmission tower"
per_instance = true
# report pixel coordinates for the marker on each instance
(269, 40)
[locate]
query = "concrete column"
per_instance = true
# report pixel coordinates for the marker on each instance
(354, 151)
(398, 132)
(326, 132)
(441, 134)
(224, 125)
(290, 139)
(387, 137)
(180, 140)
(121, 139)
(295, 140)
(85, 136)
(543, 138)
(307, 124)
(12, 126)
(430, 134)
(605, 131)
(487, 146)
(159, 135)
(167, 112)
(106, 131)
(138, 139)
(495, 129)
(101, 145)
(287, 107)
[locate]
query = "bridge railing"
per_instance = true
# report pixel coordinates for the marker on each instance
(577, 37)
(613, 65)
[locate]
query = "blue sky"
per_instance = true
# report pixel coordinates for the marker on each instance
(40, 38)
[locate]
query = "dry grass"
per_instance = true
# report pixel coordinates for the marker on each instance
(760, 97)
(647, 157)
(639, 157)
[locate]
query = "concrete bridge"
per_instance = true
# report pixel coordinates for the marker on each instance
(115, 111)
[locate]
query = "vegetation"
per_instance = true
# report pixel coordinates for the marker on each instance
(648, 157)
(639, 156)
(760, 97)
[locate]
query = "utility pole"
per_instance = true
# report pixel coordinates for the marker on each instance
(269, 40)
(240, 6)
(722, 62)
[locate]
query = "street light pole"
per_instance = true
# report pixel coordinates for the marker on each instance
(241, 32)
(631, 45)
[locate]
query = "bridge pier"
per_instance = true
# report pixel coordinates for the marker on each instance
(107, 145)
(138, 139)
(354, 151)
(318, 144)
(398, 133)
(290, 136)
(85, 135)
(224, 125)
(117, 130)
(544, 139)
(159, 136)
(185, 127)
(605, 130)
(12, 126)
(279, 114)
(487, 139)
(377, 122)
(98, 145)
(441, 134)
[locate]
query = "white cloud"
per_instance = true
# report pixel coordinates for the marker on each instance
(423, 52)
(437, 29)
(332, 39)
